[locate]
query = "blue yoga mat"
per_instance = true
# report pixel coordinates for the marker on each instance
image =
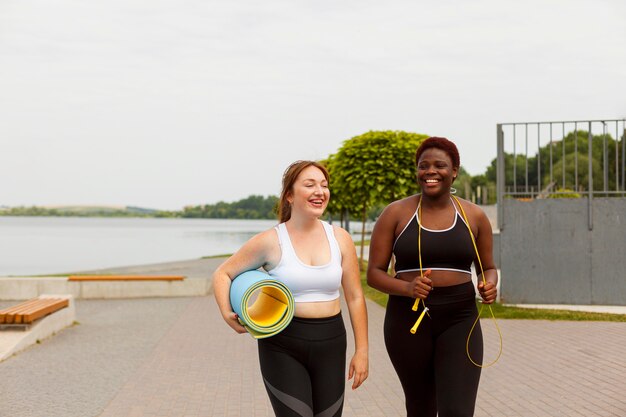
(265, 306)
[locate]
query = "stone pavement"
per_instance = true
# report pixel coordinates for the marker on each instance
(176, 357)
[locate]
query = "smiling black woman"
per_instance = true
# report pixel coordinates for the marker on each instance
(429, 236)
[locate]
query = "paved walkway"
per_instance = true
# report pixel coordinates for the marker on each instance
(175, 357)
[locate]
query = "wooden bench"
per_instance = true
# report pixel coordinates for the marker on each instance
(27, 312)
(126, 278)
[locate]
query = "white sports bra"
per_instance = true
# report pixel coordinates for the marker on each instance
(308, 283)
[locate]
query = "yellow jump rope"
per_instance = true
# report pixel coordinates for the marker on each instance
(425, 311)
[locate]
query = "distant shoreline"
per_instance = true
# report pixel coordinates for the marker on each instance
(253, 207)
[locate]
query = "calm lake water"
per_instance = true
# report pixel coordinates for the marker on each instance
(49, 245)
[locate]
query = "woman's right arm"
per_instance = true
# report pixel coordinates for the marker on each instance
(254, 254)
(381, 246)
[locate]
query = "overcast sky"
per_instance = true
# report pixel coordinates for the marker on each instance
(163, 103)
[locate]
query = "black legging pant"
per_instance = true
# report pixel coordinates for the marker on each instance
(432, 364)
(304, 367)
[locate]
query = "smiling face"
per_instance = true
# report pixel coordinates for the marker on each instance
(310, 193)
(435, 172)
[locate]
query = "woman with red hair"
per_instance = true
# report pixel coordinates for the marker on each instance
(429, 236)
(303, 367)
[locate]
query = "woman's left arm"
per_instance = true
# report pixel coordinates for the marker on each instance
(352, 290)
(484, 241)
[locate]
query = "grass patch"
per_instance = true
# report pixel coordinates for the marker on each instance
(225, 255)
(509, 312)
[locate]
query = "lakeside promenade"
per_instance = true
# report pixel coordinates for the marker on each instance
(156, 357)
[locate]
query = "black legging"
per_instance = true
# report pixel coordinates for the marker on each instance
(434, 370)
(303, 367)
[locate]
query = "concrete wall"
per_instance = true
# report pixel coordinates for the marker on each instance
(23, 288)
(548, 255)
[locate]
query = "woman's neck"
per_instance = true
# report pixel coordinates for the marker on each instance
(436, 202)
(303, 222)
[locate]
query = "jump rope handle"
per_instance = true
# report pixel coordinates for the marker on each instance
(419, 320)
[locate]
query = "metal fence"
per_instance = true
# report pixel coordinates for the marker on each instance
(561, 227)
(560, 159)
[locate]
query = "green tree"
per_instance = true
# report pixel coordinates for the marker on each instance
(336, 205)
(251, 207)
(374, 168)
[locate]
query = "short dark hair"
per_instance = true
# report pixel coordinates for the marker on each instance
(440, 143)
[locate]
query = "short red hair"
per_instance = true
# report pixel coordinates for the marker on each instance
(440, 143)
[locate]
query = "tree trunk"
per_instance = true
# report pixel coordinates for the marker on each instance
(363, 218)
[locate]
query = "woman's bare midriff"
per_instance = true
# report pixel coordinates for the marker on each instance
(439, 278)
(318, 309)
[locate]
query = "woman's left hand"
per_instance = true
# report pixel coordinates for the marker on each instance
(488, 292)
(358, 369)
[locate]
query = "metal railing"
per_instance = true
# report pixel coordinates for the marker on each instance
(561, 159)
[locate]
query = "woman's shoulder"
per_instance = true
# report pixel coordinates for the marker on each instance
(402, 206)
(473, 211)
(467, 205)
(411, 200)
(260, 250)
(343, 238)
(271, 231)
(341, 234)
(265, 239)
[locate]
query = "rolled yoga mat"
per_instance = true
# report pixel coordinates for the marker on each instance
(265, 306)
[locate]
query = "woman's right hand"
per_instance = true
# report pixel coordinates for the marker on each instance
(232, 319)
(421, 286)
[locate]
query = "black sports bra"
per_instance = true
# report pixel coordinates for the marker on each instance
(450, 249)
